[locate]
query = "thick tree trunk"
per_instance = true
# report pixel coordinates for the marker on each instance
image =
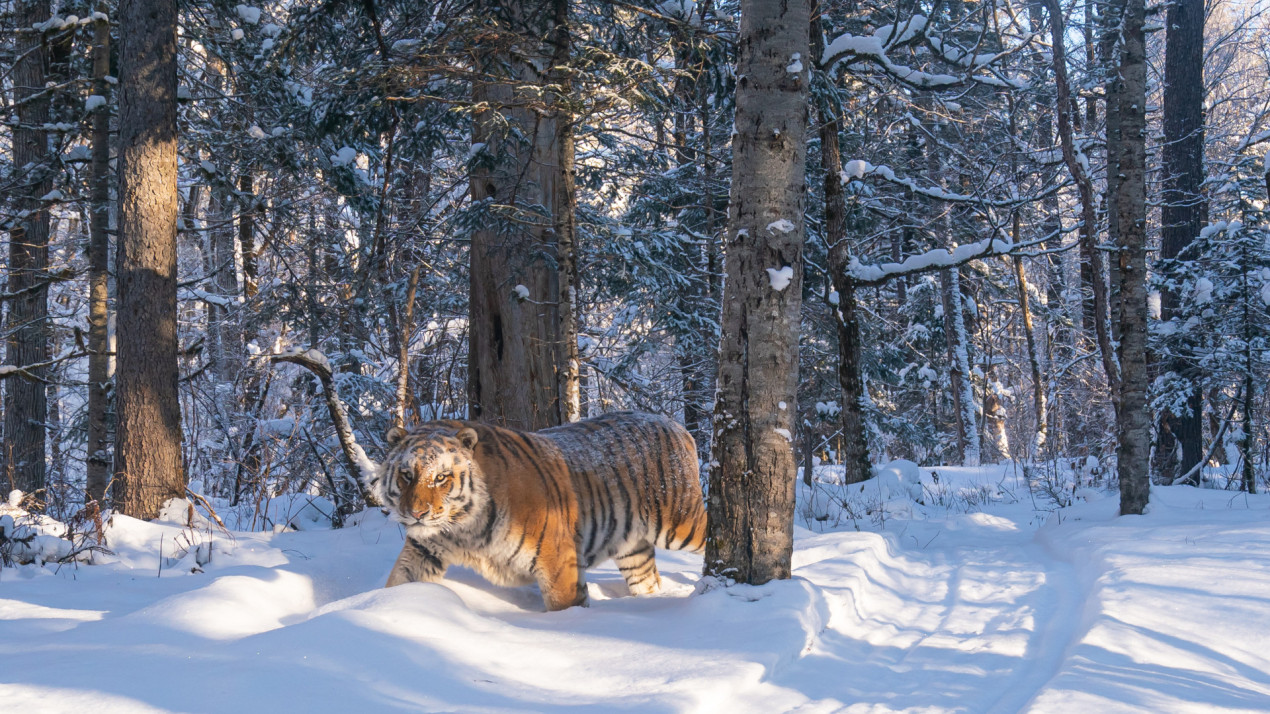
(1133, 419)
(148, 463)
(1185, 209)
(98, 447)
(26, 400)
(516, 348)
(752, 473)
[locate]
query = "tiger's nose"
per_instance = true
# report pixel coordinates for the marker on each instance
(418, 514)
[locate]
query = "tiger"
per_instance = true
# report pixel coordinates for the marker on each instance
(523, 507)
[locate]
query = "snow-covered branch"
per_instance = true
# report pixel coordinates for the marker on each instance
(937, 259)
(873, 49)
(859, 168)
(360, 466)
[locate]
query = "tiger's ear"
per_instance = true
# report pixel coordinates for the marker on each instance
(467, 437)
(394, 435)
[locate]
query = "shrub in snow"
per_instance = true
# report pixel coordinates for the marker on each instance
(33, 538)
(900, 479)
(315, 514)
(182, 512)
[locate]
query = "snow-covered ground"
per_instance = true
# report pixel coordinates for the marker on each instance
(965, 593)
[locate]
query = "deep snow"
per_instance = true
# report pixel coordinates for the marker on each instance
(964, 593)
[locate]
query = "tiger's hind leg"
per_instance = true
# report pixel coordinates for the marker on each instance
(639, 569)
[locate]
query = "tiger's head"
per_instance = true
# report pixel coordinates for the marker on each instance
(430, 479)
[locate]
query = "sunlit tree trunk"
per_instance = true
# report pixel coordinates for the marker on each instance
(518, 357)
(148, 461)
(752, 472)
(1133, 418)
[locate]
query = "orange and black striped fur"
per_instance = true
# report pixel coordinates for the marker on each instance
(543, 507)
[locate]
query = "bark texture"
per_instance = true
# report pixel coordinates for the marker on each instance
(26, 399)
(98, 448)
(1185, 208)
(519, 353)
(1134, 421)
(752, 473)
(148, 462)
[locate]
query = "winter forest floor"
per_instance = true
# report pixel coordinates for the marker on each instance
(958, 594)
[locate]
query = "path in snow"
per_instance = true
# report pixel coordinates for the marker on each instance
(970, 613)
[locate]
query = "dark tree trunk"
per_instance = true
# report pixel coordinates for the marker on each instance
(855, 453)
(26, 400)
(1088, 210)
(148, 463)
(516, 347)
(98, 448)
(753, 470)
(1185, 209)
(1134, 421)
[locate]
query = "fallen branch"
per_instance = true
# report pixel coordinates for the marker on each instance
(1185, 479)
(360, 467)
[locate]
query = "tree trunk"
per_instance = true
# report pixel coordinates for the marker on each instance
(855, 455)
(752, 472)
(1039, 380)
(1185, 209)
(958, 352)
(562, 210)
(1133, 419)
(406, 328)
(1090, 255)
(148, 463)
(252, 401)
(98, 447)
(1114, 133)
(516, 348)
(225, 339)
(225, 345)
(959, 367)
(26, 400)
